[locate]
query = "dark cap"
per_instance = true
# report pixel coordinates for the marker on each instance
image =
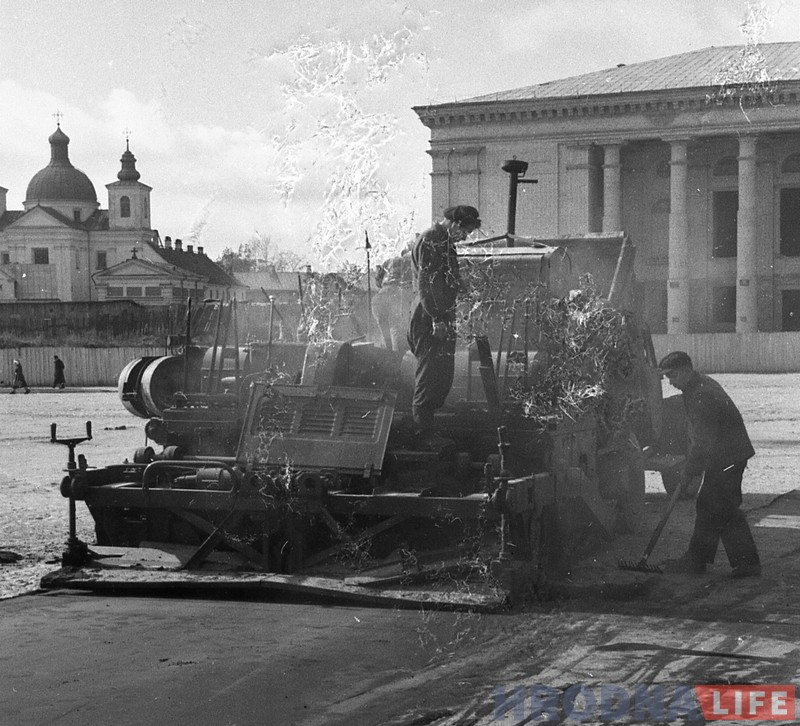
(464, 215)
(676, 359)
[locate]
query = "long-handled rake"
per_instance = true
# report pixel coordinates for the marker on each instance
(642, 565)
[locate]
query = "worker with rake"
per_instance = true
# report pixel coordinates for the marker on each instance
(720, 450)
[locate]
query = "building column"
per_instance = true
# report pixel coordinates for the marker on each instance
(746, 259)
(612, 188)
(678, 290)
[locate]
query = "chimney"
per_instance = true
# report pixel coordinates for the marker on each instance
(168, 242)
(179, 245)
(190, 249)
(200, 250)
(308, 270)
(3, 192)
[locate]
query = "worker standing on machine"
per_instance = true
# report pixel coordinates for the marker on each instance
(720, 450)
(432, 334)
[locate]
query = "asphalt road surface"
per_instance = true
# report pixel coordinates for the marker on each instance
(68, 658)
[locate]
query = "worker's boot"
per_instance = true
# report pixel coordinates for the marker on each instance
(431, 441)
(741, 548)
(425, 437)
(751, 570)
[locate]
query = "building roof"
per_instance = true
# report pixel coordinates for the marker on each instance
(9, 217)
(703, 68)
(60, 180)
(271, 280)
(197, 263)
(97, 220)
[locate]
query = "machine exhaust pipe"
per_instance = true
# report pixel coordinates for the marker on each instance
(515, 168)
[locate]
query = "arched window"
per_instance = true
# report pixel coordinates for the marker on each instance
(124, 206)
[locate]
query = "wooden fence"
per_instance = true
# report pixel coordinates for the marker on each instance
(83, 366)
(88, 322)
(736, 352)
(717, 353)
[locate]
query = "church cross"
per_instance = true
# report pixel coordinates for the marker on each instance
(58, 116)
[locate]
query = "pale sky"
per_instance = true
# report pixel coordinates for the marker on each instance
(198, 85)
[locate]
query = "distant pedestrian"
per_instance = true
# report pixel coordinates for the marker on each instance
(19, 379)
(58, 373)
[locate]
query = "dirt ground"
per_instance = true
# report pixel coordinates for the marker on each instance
(33, 518)
(34, 515)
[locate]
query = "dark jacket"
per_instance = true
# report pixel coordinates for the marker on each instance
(436, 273)
(719, 436)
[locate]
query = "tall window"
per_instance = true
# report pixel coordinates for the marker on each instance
(5, 258)
(790, 305)
(102, 260)
(41, 256)
(124, 206)
(725, 305)
(726, 206)
(790, 222)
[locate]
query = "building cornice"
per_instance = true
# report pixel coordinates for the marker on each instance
(668, 103)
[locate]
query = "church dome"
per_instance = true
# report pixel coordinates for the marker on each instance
(59, 180)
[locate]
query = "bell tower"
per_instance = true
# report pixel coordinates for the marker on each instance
(128, 198)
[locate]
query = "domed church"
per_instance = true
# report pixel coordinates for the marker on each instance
(63, 247)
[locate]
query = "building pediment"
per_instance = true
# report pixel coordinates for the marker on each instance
(38, 217)
(140, 268)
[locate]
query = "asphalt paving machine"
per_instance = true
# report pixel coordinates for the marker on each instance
(296, 465)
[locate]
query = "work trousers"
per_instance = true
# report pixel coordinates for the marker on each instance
(719, 517)
(435, 367)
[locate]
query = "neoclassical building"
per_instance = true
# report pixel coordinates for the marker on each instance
(63, 247)
(695, 156)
